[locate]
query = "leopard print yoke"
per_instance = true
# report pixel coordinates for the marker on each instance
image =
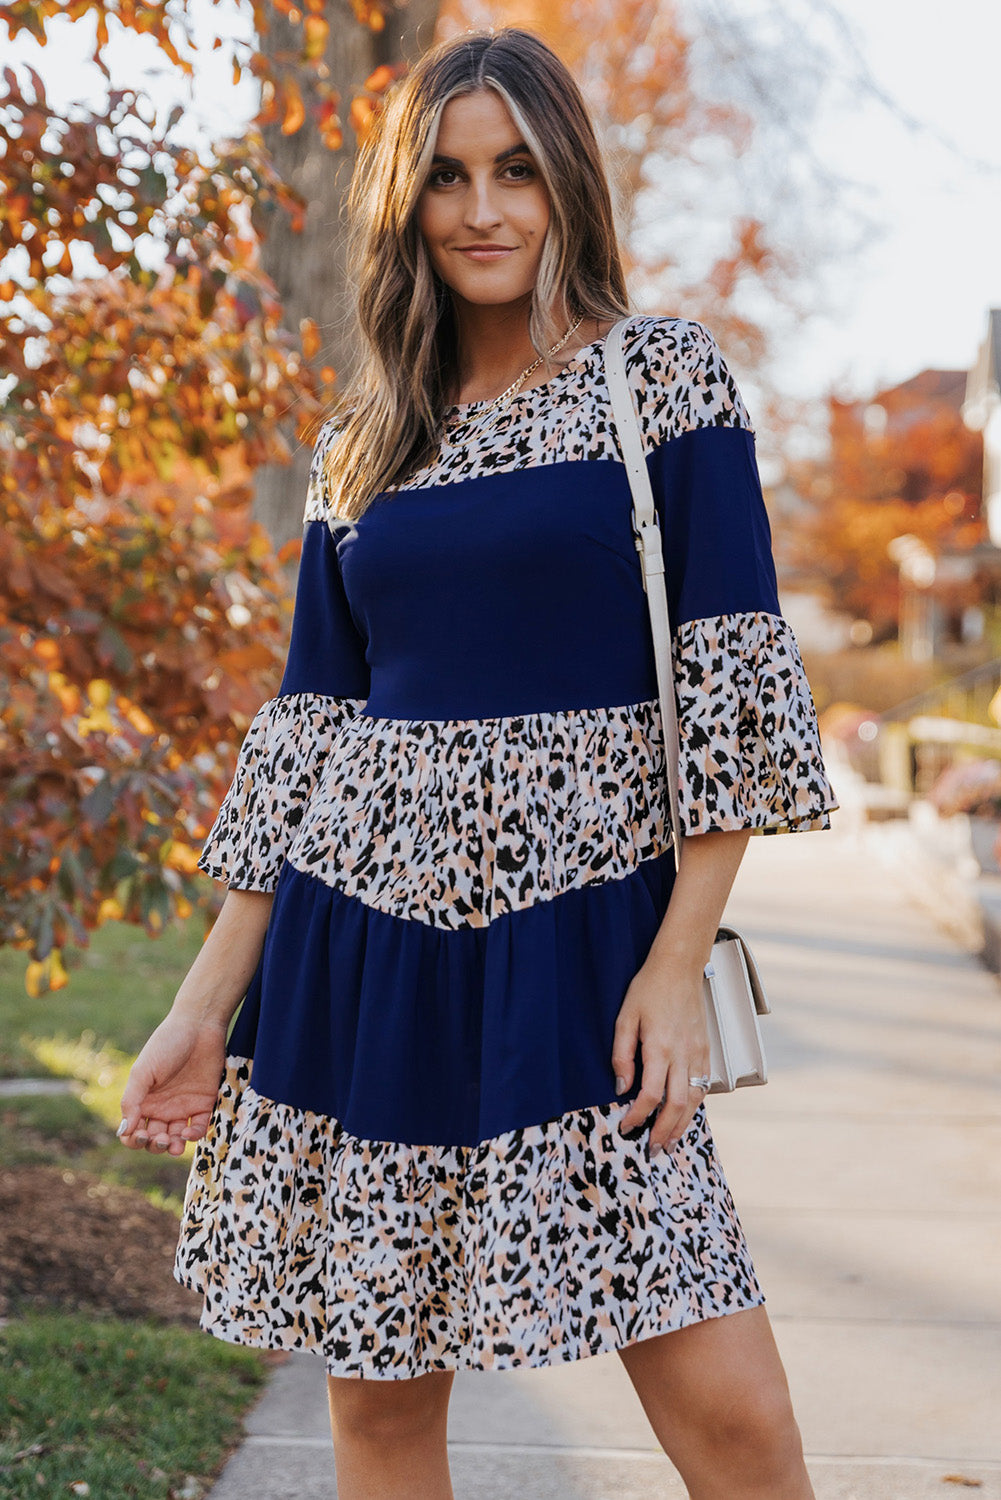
(457, 797)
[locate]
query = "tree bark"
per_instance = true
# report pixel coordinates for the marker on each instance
(308, 268)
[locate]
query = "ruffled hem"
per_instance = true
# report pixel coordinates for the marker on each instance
(747, 725)
(545, 1244)
(276, 771)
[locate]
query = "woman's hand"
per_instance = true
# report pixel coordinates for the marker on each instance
(175, 1080)
(664, 1010)
(173, 1085)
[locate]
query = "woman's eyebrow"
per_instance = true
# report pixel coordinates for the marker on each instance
(455, 161)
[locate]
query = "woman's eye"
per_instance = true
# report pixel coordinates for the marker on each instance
(524, 170)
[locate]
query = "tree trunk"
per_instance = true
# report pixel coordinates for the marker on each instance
(308, 268)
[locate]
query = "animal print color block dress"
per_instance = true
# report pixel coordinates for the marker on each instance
(457, 798)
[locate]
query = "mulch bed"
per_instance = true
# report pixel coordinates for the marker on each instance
(70, 1240)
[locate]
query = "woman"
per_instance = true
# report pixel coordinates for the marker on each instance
(461, 1115)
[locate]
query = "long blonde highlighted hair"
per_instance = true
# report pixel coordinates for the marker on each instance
(406, 332)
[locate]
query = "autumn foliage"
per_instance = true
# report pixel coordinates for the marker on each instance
(143, 618)
(903, 463)
(292, 80)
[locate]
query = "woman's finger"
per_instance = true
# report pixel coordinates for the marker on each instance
(151, 1130)
(132, 1125)
(139, 1085)
(624, 1043)
(655, 1060)
(176, 1142)
(670, 1122)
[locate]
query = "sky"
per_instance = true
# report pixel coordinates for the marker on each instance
(918, 295)
(917, 148)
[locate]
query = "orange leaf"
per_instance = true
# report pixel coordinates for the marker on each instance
(317, 30)
(329, 125)
(182, 857)
(362, 115)
(310, 337)
(295, 110)
(380, 79)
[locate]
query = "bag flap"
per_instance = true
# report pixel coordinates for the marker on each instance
(761, 1005)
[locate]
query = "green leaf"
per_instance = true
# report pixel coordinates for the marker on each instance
(112, 648)
(44, 937)
(99, 802)
(70, 876)
(121, 865)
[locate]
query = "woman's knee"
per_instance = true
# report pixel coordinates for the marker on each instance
(716, 1393)
(385, 1411)
(758, 1431)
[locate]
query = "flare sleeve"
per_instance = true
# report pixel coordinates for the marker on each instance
(325, 682)
(750, 751)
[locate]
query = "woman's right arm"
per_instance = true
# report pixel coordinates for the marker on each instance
(217, 980)
(174, 1082)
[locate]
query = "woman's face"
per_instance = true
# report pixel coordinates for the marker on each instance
(484, 188)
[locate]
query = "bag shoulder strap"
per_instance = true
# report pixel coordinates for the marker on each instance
(650, 547)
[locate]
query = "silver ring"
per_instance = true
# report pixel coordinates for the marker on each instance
(700, 1083)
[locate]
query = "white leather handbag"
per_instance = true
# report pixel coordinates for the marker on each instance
(732, 988)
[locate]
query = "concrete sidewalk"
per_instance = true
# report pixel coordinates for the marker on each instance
(867, 1176)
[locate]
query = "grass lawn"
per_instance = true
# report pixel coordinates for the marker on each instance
(120, 988)
(92, 1402)
(125, 1408)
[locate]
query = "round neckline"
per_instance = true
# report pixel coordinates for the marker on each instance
(579, 359)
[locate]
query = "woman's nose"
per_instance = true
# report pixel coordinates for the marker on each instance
(482, 208)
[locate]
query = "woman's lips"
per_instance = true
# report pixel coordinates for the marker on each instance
(495, 254)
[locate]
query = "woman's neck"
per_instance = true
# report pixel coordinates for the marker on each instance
(494, 348)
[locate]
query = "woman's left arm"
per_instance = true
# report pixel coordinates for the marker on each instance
(663, 1008)
(750, 759)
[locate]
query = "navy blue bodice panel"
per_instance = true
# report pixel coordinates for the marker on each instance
(521, 592)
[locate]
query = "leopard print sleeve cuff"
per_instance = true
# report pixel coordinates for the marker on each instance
(747, 728)
(278, 767)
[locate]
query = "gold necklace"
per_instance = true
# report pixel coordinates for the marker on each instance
(507, 396)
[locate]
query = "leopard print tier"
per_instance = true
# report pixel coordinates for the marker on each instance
(542, 1245)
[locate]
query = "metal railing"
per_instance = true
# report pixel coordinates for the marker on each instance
(963, 699)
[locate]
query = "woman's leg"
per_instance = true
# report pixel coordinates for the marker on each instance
(390, 1437)
(718, 1400)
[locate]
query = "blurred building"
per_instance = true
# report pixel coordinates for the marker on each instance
(982, 413)
(937, 619)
